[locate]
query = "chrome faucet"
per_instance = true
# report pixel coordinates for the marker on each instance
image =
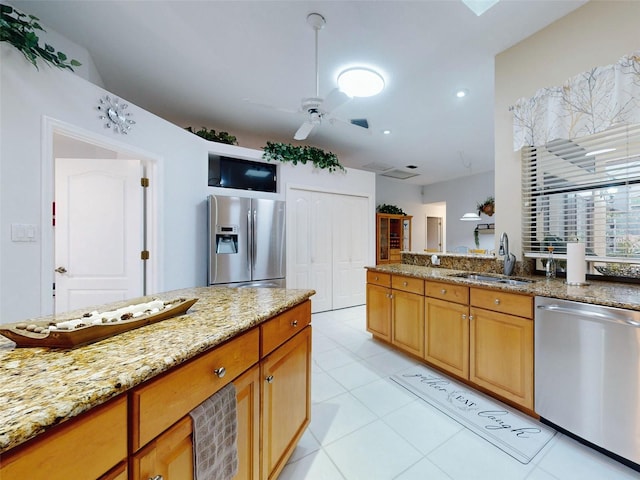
(509, 258)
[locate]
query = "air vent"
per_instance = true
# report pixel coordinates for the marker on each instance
(399, 174)
(376, 167)
(360, 122)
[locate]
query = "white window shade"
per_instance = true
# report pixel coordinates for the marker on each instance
(586, 188)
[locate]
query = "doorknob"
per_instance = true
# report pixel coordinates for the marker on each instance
(61, 270)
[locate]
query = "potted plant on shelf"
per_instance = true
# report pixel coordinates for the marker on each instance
(487, 207)
(392, 209)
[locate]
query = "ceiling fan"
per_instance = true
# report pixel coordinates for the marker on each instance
(318, 109)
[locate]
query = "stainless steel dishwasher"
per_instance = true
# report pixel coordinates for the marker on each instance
(587, 374)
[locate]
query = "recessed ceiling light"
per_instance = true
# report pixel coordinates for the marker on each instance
(360, 82)
(386, 132)
(462, 93)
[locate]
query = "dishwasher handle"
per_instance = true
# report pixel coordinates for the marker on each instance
(612, 317)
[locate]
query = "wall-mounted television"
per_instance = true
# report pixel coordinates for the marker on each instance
(228, 172)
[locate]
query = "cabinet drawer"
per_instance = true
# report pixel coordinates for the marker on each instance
(160, 403)
(408, 284)
(503, 302)
(84, 447)
(279, 329)
(448, 292)
(377, 278)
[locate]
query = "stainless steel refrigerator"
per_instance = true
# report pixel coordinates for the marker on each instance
(246, 241)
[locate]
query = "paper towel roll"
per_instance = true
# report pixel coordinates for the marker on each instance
(576, 263)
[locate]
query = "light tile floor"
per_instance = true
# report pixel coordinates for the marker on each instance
(365, 427)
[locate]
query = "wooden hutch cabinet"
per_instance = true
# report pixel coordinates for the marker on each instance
(393, 235)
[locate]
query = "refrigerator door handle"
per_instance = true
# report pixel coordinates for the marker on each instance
(249, 240)
(254, 240)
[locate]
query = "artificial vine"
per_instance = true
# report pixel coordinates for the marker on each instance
(285, 152)
(212, 135)
(19, 29)
(392, 209)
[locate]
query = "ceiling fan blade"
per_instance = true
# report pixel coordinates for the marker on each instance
(335, 99)
(304, 131)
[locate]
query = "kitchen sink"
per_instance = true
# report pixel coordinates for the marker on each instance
(483, 277)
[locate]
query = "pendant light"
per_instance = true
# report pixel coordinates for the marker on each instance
(470, 217)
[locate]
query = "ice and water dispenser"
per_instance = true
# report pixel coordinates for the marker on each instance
(226, 239)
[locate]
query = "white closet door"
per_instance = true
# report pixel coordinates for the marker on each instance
(299, 237)
(322, 212)
(351, 227)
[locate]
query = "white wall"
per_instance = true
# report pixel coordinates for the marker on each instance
(31, 100)
(409, 198)
(599, 33)
(461, 196)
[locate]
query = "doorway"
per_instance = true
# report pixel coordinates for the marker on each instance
(434, 234)
(113, 218)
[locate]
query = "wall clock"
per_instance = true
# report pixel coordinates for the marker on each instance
(114, 115)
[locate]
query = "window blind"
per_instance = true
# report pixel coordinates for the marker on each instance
(586, 189)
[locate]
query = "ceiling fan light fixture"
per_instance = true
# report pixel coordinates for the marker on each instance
(360, 82)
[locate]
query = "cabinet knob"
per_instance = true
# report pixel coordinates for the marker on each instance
(404, 284)
(464, 316)
(294, 323)
(269, 379)
(470, 317)
(497, 301)
(443, 291)
(157, 477)
(377, 278)
(220, 372)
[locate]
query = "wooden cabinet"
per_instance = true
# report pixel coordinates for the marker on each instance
(248, 407)
(480, 335)
(501, 344)
(393, 235)
(169, 455)
(447, 336)
(379, 305)
(286, 403)
(86, 447)
(119, 472)
(407, 314)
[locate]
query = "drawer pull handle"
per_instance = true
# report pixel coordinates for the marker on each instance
(157, 477)
(294, 323)
(405, 284)
(269, 379)
(443, 291)
(220, 372)
(497, 301)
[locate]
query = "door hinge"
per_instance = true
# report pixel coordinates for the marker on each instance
(144, 255)
(144, 182)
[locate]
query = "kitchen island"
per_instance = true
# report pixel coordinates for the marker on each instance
(42, 389)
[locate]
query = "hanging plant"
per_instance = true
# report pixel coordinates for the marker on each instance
(213, 136)
(392, 209)
(20, 29)
(285, 152)
(487, 207)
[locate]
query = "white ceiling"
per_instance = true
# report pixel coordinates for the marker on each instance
(195, 63)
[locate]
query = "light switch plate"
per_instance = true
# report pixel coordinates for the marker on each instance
(24, 232)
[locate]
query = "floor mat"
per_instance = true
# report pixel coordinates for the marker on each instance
(513, 432)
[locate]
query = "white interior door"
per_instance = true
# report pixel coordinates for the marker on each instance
(327, 241)
(350, 229)
(98, 231)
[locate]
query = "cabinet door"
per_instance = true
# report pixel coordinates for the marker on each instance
(447, 336)
(169, 455)
(408, 321)
(379, 311)
(502, 355)
(119, 472)
(286, 401)
(382, 239)
(248, 407)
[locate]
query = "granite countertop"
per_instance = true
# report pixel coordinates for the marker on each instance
(610, 294)
(41, 387)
